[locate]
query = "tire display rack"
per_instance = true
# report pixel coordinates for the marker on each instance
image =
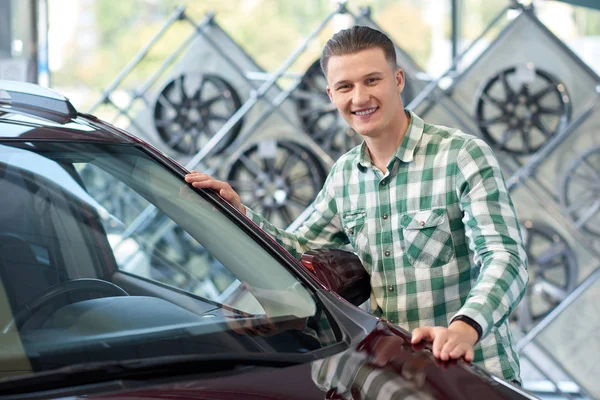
(528, 101)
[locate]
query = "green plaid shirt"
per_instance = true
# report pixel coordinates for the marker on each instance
(438, 234)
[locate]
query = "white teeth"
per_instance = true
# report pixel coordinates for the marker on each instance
(366, 112)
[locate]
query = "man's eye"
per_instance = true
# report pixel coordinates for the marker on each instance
(344, 87)
(372, 80)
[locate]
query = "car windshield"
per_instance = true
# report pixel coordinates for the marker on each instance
(107, 255)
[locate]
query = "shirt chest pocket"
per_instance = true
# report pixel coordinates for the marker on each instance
(427, 238)
(354, 226)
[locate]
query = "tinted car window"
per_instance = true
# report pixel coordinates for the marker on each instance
(168, 254)
(79, 217)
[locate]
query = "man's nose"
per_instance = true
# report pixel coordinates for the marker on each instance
(360, 96)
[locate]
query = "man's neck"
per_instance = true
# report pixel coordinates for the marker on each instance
(382, 148)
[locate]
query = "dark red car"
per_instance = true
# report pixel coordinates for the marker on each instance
(119, 280)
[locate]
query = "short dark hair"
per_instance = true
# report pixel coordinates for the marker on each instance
(355, 39)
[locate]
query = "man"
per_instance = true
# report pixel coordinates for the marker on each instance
(425, 208)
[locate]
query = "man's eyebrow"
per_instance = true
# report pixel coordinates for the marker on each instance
(338, 83)
(369, 75)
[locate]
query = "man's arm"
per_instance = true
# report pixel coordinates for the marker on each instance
(321, 229)
(494, 236)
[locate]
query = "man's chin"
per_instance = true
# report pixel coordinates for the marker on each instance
(363, 132)
(365, 129)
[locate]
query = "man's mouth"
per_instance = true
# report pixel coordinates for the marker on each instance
(366, 111)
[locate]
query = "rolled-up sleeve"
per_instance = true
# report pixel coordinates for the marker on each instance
(494, 237)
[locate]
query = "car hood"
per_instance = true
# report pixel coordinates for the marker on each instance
(382, 365)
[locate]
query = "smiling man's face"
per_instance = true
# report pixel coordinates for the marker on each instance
(366, 91)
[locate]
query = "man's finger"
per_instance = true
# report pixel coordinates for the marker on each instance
(439, 341)
(425, 333)
(195, 175)
(470, 355)
(199, 177)
(211, 184)
(448, 350)
(194, 178)
(462, 350)
(227, 194)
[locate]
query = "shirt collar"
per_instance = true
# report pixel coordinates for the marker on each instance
(406, 150)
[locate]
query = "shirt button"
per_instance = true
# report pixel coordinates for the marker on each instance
(384, 182)
(421, 223)
(387, 253)
(351, 231)
(385, 216)
(391, 288)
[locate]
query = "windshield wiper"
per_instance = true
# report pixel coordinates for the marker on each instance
(98, 372)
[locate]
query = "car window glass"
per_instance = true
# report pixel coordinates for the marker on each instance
(157, 227)
(104, 250)
(162, 250)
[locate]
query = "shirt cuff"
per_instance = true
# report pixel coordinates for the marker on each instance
(472, 323)
(253, 216)
(478, 312)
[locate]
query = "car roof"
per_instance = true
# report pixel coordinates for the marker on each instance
(32, 112)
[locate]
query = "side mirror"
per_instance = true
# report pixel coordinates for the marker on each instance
(341, 272)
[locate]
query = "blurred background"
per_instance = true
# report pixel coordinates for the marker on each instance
(234, 88)
(83, 34)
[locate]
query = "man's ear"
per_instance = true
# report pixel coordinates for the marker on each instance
(329, 93)
(400, 80)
